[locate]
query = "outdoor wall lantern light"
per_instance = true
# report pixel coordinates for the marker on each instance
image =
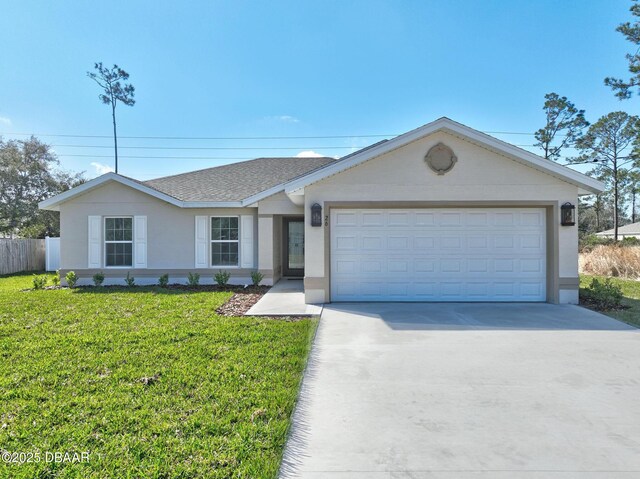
(568, 214)
(316, 215)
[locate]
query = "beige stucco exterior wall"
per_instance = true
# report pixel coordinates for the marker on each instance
(279, 204)
(480, 177)
(170, 234)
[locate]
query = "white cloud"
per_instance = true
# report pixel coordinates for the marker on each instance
(100, 168)
(288, 119)
(284, 118)
(5, 121)
(309, 154)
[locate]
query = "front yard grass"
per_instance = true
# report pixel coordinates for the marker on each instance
(631, 291)
(152, 383)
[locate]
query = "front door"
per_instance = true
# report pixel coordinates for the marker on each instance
(293, 232)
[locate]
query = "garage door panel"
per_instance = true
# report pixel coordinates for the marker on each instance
(373, 218)
(532, 218)
(346, 219)
(346, 244)
(371, 243)
(477, 219)
(423, 219)
(398, 266)
(424, 243)
(438, 255)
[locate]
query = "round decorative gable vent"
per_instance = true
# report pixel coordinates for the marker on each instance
(440, 159)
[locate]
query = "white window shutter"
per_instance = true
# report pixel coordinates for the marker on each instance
(201, 242)
(95, 240)
(246, 241)
(140, 241)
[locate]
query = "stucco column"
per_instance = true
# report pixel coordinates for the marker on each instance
(316, 283)
(265, 244)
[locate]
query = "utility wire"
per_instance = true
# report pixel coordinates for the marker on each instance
(165, 157)
(220, 147)
(204, 137)
(205, 147)
(241, 137)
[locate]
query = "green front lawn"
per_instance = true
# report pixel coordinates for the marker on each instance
(151, 383)
(631, 291)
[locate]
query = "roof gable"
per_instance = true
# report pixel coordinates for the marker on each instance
(54, 202)
(586, 184)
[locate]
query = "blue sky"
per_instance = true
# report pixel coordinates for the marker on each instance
(297, 68)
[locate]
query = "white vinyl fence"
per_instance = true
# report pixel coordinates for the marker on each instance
(52, 257)
(21, 254)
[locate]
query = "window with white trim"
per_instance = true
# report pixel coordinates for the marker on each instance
(118, 241)
(224, 241)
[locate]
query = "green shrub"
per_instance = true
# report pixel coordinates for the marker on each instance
(256, 277)
(98, 278)
(193, 279)
(163, 281)
(630, 241)
(39, 281)
(603, 295)
(130, 280)
(222, 278)
(587, 243)
(55, 279)
(72, 278)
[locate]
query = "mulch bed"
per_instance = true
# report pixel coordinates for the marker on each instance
(242, 300)
(596, 306)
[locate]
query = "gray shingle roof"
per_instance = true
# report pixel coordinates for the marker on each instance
(631, 229)
(236, 181)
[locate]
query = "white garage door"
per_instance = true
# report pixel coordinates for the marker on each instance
(440, 254)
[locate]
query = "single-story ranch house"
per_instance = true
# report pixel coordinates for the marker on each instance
(440, 213)
(627, 231)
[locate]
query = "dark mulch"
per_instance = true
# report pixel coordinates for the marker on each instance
(242, 301)
(244, 298)
(597, 305)
(215, 288)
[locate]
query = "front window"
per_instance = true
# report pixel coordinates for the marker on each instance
(118, 241)
(224, 241)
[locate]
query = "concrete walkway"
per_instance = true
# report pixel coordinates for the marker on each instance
(285, 298)
(468, 391)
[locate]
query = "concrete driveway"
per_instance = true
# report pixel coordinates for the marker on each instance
(468, 391)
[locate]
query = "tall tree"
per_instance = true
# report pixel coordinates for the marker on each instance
(590, 215)
(112, 81)
(633, 189)
(28, 176)
(623, 89)
(564, 126)
(608, 144)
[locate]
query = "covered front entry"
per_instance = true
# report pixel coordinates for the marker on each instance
(438, 254)
(293, 246)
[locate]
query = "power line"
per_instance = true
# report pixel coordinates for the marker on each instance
(203, 137)
(206, 147)
(216, 148)
(56, 135)
(165, 157)
(179, 157)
